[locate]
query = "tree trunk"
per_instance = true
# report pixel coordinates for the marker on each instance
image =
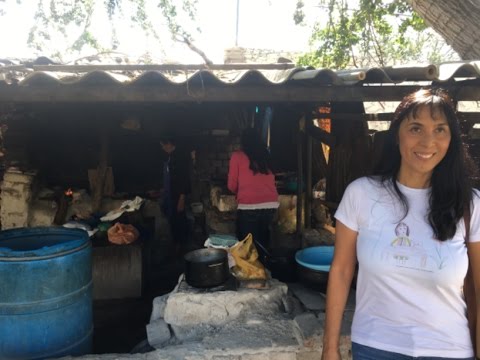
(456, 21)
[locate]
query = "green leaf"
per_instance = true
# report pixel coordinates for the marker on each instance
(375, 33)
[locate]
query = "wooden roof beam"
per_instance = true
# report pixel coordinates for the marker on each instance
(75, 93)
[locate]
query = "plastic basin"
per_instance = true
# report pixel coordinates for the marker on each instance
(317, 258)
(223, 240)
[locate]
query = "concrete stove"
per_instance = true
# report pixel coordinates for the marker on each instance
(246, 324)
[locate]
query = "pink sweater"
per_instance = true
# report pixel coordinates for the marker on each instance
(250, 189)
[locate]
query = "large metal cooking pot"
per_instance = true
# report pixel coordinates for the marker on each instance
(206, 267)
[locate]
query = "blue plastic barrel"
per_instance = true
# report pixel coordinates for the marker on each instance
(45, 293)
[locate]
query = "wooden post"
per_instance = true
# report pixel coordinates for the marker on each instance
(308, 184)
(301, 127)
(101, 171)
(61, 210)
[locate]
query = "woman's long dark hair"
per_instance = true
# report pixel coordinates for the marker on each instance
(451, 181)
(256, 150)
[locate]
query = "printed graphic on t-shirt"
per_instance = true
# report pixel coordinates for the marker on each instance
(403, 251)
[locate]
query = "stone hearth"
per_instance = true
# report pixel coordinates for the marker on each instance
(276, 323)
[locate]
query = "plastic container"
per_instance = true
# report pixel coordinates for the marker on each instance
(316, 258)
(46, 296)
(314, 266)
(222, 240)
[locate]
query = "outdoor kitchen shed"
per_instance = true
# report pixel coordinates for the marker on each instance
(97, 127)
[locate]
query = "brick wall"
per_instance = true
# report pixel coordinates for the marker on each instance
(214, 152)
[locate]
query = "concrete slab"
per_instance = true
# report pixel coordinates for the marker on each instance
(158, 307)
(307, 325)
(158, 333)
(219, 308)
(312, 300)
(193, 332)
(256, 334)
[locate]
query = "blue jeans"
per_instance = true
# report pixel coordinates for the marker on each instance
(362, 352)
(256, 222)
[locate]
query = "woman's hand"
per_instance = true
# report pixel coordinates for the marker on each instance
(333, 354)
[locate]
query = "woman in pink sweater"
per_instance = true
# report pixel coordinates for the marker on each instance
(251, 179)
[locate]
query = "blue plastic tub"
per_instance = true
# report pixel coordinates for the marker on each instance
(314, 266)
(317, 258)
(46, 295)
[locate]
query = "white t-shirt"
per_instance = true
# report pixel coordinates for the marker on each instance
(409, 295)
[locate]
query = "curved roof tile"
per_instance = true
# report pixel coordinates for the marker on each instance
(25, 75)
(151, 78)
(324, 76)
(39, 79)
(102, 78)
(463, 69)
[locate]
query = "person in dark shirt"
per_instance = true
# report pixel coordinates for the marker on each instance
(176, 186)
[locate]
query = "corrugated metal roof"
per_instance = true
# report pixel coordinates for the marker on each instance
(47, 82)
(44, 75)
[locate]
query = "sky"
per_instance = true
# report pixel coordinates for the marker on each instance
(264, 24)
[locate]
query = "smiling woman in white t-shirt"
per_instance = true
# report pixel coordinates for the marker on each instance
(404, 225)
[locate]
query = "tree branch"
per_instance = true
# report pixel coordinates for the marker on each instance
(192, 47)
